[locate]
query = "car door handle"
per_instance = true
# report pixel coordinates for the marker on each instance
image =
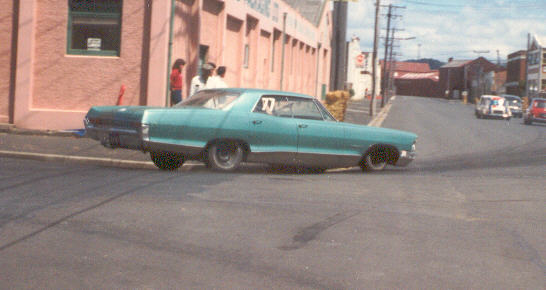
(257, 122)
(302, 126)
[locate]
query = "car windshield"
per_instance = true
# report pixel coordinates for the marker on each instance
(540, 105)
(210, 99)
(512, 99)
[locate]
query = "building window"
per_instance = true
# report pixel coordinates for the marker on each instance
(246, 57)
(94, 27)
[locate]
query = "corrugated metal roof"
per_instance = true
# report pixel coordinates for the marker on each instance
(310, 9)
(456, 63)
(433, 75)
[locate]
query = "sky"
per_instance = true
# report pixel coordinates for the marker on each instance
(462, 29)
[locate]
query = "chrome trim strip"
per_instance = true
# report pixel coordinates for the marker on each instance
(163, 146)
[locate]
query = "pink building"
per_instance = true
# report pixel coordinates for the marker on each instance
(59, 58)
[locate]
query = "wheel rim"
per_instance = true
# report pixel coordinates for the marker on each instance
(375, 162)
(227, 155)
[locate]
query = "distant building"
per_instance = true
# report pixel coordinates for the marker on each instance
(359, 70)
(476, 77)
(515, 73)
(421, 84)
(413, 79)
(536, 67)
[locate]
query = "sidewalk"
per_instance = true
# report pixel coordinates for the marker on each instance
(69, 146)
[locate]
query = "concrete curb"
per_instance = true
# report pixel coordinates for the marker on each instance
(130, 164)
(379, 118)
(11, 129)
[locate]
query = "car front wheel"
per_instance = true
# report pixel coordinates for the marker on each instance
(167, 160)
(374, 161)
(225, 156)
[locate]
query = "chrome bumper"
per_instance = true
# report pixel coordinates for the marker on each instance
(406, 157)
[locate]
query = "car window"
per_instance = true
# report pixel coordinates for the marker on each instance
(275, 106)
(540, 105)
(325, 113)
(305, 109)
(210, 99)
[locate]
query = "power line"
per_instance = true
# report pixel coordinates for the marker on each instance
(478, 5)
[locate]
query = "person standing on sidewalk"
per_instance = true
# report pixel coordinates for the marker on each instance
(176, 81)
(217, 81)
(199, 81)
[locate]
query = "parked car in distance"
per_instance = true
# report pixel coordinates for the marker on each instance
(224, 127)
(536, 112)
(490, 106)
(514, 105)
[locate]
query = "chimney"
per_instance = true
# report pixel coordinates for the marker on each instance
(450, 59)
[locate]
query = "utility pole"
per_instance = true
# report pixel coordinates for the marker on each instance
(418, 51)
(527, 66)
(389, 42)
(339, 46)
(374, 57)
(384, 77)
(391, 67)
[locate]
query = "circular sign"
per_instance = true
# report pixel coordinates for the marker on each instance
(360, 60)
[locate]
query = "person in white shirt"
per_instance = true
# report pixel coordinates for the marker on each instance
(217, 81)
(199, 82)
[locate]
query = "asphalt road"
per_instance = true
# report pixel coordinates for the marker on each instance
(470, 212)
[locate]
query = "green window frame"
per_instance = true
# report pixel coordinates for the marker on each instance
(94, 27)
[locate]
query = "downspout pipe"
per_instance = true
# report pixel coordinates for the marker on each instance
(283, 47)
(317, 71)
(171, 36)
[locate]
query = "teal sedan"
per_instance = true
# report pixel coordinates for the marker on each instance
(226, 127)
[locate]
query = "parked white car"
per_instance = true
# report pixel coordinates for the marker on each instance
(491, 106)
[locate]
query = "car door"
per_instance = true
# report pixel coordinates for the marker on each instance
(320, 141)
(273, 132)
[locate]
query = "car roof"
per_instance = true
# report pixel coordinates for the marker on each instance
(539, 99)
(511, 96)
(263, 92)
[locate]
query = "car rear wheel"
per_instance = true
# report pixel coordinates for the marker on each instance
(167, 160)
(375, 160)
(225, 156)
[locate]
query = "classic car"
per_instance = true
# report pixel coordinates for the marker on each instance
(492, 106)
(224, 127)
(514, 104)
(536, 112)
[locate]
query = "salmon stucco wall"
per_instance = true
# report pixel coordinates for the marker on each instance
(6, 54)
(74, 82)
(54, 90)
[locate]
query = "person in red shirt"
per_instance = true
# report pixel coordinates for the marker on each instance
(176, 81)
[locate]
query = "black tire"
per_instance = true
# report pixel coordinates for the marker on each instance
(375, 160)
(167, 160)
(527, 122)
(225, 156)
